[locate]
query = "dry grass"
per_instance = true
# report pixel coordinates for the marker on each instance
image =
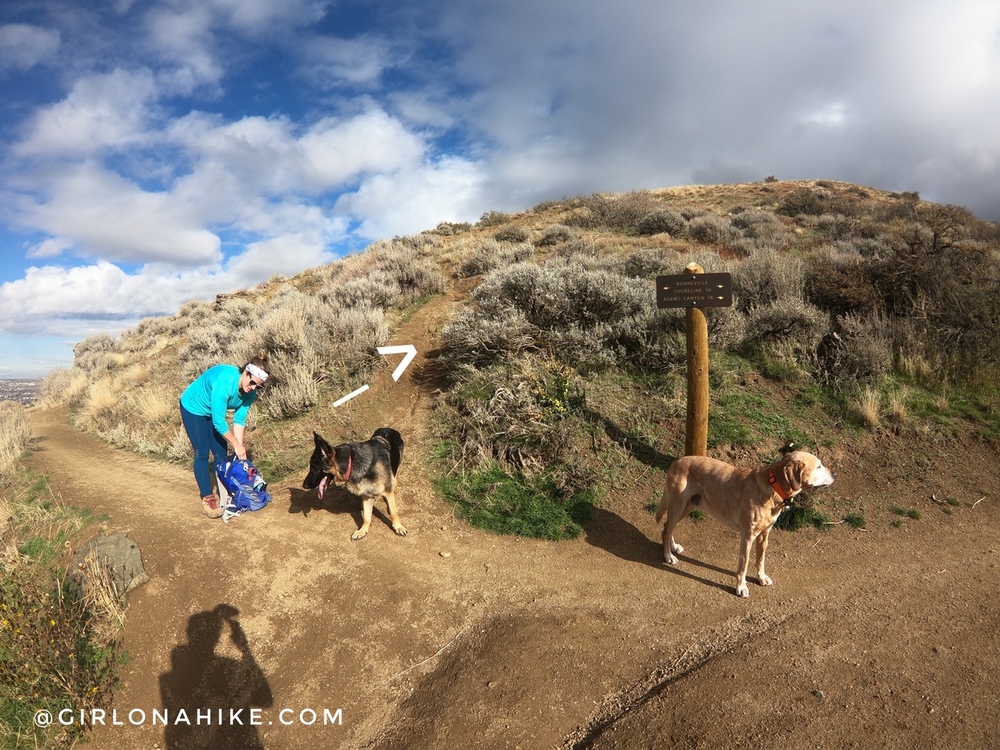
(14, 437)
(869, 407)
(138, 374)
(103, 600)
(99, 407)
(155, 406)
(898, 411)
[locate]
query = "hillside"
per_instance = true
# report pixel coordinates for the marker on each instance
(549, 390)
(557, 303)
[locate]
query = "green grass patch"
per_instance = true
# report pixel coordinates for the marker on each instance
(855, 520)
(801, 515)
(906, 512)
(49, 659)
(54, 653)
(509, 503)
(742, 418)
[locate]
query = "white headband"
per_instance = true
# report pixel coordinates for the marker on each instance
(256, 371)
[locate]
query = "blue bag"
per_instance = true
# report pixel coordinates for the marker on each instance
(245, 486)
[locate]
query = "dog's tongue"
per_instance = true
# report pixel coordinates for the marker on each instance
(322, 487)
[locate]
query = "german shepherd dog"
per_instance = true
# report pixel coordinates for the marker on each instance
(367, 470)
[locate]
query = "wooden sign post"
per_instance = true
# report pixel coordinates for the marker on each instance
(694, 290)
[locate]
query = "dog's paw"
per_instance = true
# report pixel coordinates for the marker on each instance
(400, 529)
(765, 580)
(743, 591)
(358, 535)
(677, 549)
(670, 559)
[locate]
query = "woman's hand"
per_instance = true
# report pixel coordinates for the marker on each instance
(238, 447)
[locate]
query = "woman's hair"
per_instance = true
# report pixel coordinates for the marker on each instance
(260, 361)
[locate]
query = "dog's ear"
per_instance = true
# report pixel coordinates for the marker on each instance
(322, 444)
(793, 474)
(341, 458)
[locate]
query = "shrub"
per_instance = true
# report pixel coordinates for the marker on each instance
(661, 221)
(493, 219)
(55, 386)
(377, 289)
(512, 233)
(767, 276)
(402, 262)
(476, 339)
(556, 233)
(95, 355)
(513, 413)
(648, 264)
(946, 286)
(298, 392)
(763, 227)
(839, 281)
(355, 334)
(56, 649)
(862, 351)
(801, 201)
(494, 254)
(618, 212)
(576, 311)
(712, 229)
(787, 321)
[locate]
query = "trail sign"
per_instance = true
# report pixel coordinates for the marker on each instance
(695, 290)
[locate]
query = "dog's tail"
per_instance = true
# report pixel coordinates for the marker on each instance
(662, 510)
(395, 441)
(674, 486)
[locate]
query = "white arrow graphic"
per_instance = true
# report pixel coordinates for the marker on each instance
(349, 396)
(408, 349)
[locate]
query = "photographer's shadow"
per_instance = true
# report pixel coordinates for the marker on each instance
(222, 688)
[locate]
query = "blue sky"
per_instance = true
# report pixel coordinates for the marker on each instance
(157, 151)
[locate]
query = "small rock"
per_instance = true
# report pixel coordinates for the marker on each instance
(819, 694)
(445, 554)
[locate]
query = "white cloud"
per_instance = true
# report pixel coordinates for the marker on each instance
(267, 16)
(415, 199)
(339, 150)
(110, 111)
(331, 62)
(53, 300)
(286, 255)
(23, 46)
(183, 38)
(106, 216)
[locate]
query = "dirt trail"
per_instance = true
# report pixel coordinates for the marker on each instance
(453, 638)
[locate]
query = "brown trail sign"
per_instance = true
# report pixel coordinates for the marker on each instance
(695, 289)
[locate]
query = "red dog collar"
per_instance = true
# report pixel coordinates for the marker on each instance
(777, 487)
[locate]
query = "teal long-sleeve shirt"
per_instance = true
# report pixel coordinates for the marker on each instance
(216, 391)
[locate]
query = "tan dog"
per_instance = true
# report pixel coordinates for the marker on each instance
(748, 501)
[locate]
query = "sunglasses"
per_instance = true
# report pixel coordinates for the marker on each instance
(253, 383)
